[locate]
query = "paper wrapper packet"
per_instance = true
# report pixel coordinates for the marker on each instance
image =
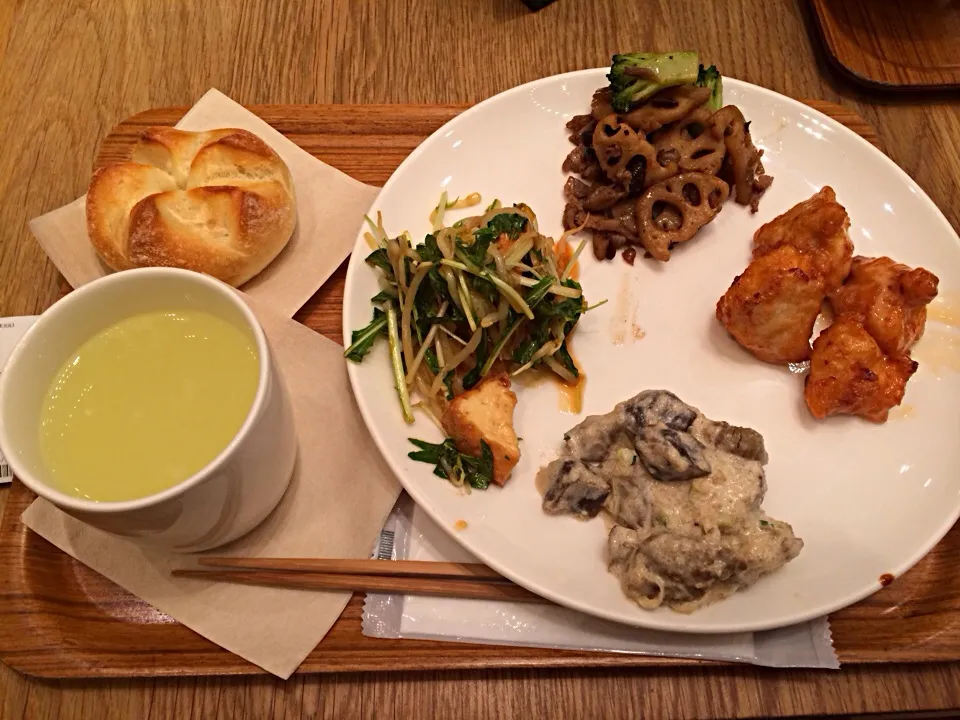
(414, 536)
(342, 490)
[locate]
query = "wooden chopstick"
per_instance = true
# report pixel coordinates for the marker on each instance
(462, 587)
(396, 568)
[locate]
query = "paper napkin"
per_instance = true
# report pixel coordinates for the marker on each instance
(417, 537)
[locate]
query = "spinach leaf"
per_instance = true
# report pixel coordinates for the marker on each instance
(379, 259)
(428, 321)
(501, 344)
(538, 335)
(361, 341)
(485, 288)
(513, 224)
(539, 291)
(430, 358)
(436, 288)
(429, 251)
(454, 465)
(430, 297)
(476, 252)
(382, 297)
(569, 309)
(482, 353)
(563, 356)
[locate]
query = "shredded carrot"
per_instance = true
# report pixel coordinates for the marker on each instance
(563, 250)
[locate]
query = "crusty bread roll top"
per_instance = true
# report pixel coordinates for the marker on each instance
(220, 202)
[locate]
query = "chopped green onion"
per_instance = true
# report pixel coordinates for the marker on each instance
(548, 349)
(451, 279)
(397, 361)
(498, 348)
(538, 290)
(468, 266)
(452, 364)
(513, 297)
(379, 234)
(363, 339)
(405, 332)
(465, 302)
(455, 264)
(556, 288)
(424, 346)
(436, 217)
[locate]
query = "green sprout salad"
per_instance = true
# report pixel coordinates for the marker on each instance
(488, 294)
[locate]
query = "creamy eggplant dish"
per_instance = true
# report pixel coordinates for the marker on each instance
(683, 493)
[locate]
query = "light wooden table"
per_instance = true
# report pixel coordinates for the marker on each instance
(71, 69)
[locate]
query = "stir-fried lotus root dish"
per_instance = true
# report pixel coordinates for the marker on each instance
(684, 494)
(472, 306)
(657, 156)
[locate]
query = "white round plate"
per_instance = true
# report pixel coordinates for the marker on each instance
(866, 499)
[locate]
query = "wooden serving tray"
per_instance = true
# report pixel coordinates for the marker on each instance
(59, 619)
(893, 44)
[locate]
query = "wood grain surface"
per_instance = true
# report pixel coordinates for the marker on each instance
(71, 69)
(893, 44)
(110, 633)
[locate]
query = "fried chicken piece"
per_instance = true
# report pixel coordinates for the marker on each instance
(486, 413)
(770, 309)
(889, 299)
(816, 227)
(850, 375)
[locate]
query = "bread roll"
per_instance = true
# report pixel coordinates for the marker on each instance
(219, 202)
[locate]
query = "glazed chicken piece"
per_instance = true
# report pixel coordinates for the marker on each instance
(889, 299)
(771, 308)
(816, 227)
(850, 375)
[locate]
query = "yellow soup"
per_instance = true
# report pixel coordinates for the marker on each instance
(146, 403)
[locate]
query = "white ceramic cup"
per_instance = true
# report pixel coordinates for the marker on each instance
(227, 498)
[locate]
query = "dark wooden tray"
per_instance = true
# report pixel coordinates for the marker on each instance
(60, 619)
(893, 44)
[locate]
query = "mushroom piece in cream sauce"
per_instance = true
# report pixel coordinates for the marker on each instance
(684, 494)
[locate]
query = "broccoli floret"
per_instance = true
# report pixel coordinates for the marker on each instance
(710, 78)
(636, 76)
